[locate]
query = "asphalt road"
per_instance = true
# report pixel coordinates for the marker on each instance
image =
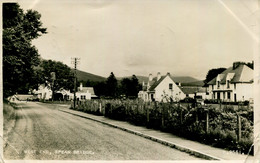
(42, 132)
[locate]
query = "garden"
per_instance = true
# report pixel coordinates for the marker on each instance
(225, 127)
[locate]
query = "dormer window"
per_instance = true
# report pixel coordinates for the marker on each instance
(228, 84)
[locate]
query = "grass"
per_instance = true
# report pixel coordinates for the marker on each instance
(8, 111)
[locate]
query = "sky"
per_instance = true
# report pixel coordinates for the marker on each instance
(183, 37)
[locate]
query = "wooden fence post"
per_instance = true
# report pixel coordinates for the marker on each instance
(163, 106)
(238, 127)
(207, 121)
(100, 107)
(181, 113)
(197, 116)
(147, 114)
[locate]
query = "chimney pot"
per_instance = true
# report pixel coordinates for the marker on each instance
(158, 76)
(150, 77)
(81, 87)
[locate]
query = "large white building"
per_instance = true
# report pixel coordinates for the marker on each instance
(162, 89)
(234, 84)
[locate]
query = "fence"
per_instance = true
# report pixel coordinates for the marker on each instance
(224, 127)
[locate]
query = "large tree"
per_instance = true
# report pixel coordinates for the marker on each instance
(212, 74)
(130, 87)
(19, 55)
(63, 77)
(111, 85)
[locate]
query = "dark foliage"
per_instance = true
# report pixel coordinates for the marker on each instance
(19, 55)
(212, 74)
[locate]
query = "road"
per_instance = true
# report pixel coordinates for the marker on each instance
(42, 132)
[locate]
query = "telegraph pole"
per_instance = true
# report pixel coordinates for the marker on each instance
(53, 77)
(75, 62)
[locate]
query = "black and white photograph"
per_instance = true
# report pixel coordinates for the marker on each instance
(130, 80)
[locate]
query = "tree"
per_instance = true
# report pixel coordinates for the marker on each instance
(130, 87)
(125, 87)
(135, 86)
(111, 85)
(19, 55)
(212, 74)
(64, 77)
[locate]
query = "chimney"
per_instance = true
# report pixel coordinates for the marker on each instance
(143, 84)
(236, 64)
(150, 77)
(168, 74)
(180, 84)
(81, 87)
(158, 76)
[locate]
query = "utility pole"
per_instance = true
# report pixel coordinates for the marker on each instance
(75, 62)
(53, 77)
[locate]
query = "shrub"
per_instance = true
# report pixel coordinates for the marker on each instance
(183, 121)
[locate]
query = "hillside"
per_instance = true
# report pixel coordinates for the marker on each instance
(199, 83)
(140, 78)
(185, 80)
(85, 76)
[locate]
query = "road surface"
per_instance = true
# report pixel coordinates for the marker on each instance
(42, 132)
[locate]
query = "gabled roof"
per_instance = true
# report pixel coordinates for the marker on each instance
(23, 97)
(242, 73)
(86, 89)
(156, 83)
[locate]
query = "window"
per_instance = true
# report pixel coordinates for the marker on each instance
(228, 84)
(82, 97)
(218, 95)
(218, 84)
(235, 86)
(170, 86)
(228, 95)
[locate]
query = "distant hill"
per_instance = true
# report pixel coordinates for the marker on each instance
(85, 76)
(184, 80)
(199, 83)
(140, 78)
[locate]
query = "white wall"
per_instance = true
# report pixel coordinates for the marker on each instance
(143, 95)
(44, 92)
(244, 89)
(87, 94)
(176, 92)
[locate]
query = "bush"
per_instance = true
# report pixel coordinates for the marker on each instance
(189, 122)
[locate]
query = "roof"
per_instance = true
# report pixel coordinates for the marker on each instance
(193, 90)
(86, 89)
(241, 74)
(156, 83)
(23, 97)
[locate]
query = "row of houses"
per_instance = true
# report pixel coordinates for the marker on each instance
(233, 85)
(83, 93)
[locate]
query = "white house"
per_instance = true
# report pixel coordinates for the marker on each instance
(162, 89)
(44, 92)
(84, 93)
(234, 84)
